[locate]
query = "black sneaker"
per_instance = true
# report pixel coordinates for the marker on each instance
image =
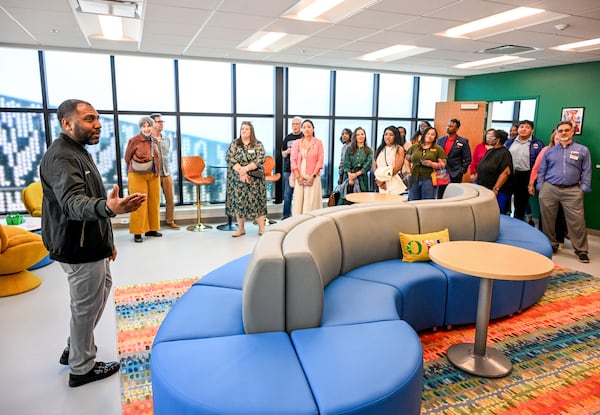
(100, 370)
(554, 249)
(582, 257)
(64, 357)
(137, 238)
(153, 233)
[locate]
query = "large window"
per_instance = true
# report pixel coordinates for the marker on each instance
(430, 92)
(83, 76)
(353, 94)
(20, 86)
(308, 91)
(208, 137)
(254, 89)
(395, 95)
(214, 98)
(206, 86)
(145, 84)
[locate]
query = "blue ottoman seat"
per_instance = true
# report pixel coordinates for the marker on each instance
(350, 301)
(248, 374)
(203, 311)
(229, 275)
(417, 283)
(372, 368)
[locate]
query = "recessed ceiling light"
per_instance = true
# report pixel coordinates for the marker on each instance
(488, 63)
(393, 53)
(582, 46)
(331, 11)
(111, 26)
(270, 41)
(514, 19)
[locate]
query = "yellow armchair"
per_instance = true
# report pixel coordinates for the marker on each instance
(32, 196)
(19, 249)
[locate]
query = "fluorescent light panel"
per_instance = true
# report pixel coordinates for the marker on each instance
(270, 41)
(496, 61)
(518, 18)
(111, 26)
(330, 11)
(393, 53)
(490, 21)
(317, 8)
(582, 46)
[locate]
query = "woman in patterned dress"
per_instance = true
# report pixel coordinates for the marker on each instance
(246, 195)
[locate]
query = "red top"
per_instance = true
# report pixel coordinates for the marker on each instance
(478, 153)
(449, 143)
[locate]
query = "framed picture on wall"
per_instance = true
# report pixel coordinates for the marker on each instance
(575, 115)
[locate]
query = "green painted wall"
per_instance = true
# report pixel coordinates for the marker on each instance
(554, 88)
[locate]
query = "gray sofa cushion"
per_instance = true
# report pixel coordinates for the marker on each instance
(371, 233)
(313, 256)
(263, 299)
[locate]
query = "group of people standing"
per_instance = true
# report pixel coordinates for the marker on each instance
(518, 166)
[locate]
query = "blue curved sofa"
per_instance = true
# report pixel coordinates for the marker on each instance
(322, 317)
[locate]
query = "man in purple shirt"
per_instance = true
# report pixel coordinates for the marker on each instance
(565, 174)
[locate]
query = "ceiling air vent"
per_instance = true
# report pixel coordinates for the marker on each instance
(507, 50)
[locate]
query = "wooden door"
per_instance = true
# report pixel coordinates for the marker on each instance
(472, 116)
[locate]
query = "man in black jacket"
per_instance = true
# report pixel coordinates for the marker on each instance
(458, 151)
(77, 231)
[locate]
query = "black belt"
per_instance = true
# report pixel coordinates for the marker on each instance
(564, 186)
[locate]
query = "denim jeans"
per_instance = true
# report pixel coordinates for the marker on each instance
(422, 189)
(288, 192)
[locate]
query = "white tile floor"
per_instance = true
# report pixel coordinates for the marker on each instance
(34, 325)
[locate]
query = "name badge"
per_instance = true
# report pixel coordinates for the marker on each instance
(251, 151)
(574, 156)
(459, 145)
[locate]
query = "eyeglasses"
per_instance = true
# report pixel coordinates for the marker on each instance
(563, 131)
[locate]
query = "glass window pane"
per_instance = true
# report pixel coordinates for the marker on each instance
(354, 94)
(527, 110)
(502, 110)
(395, 95)
(301, 80)
(87, 78)
(145, 84)
(20, 75)
(22, 144)
(204, 86)
(254, 89)
(430, 92)
(208, 137)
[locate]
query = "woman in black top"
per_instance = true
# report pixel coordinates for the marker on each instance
(495, 169)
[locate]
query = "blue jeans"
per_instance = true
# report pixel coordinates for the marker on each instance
(288, 192)
(422, 189)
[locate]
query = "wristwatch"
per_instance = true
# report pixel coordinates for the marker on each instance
(109, 212)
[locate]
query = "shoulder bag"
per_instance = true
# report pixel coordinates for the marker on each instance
(440, 177)
(145, 166)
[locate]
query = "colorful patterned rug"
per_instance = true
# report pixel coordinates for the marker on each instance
(554, 347)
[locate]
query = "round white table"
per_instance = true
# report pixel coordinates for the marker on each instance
(489, 261)
(374, 197)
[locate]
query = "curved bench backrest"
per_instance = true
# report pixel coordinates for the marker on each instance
(293, 262)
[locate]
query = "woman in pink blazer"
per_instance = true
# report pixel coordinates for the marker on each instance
(307, 161)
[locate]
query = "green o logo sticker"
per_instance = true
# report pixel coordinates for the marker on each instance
(414, 247)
